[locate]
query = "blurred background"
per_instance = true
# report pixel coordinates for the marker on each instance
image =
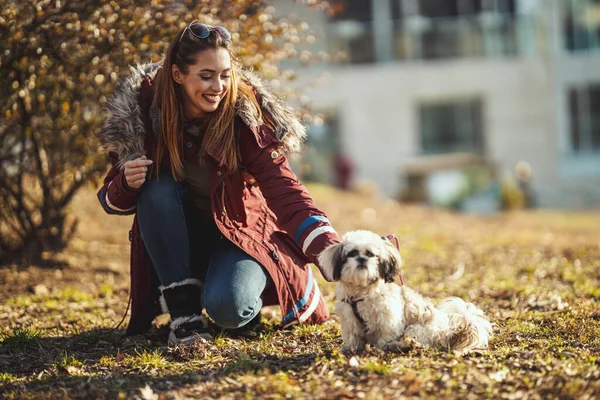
(472, 105)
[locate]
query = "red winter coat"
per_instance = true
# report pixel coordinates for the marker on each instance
(275, 220)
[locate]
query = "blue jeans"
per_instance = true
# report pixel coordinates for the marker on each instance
(183, 244)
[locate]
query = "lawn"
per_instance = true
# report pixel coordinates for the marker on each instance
(536, 274)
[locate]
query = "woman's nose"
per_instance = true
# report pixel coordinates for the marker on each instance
(218, 85)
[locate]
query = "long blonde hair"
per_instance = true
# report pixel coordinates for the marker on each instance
(220, 139)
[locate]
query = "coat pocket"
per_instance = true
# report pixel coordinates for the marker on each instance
(232, 198)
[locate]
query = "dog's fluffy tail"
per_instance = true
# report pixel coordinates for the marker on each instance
(469, 326)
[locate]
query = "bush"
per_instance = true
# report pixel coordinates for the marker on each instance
(59, 62)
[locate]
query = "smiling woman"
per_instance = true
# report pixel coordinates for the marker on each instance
(206, 82)
(198, 147)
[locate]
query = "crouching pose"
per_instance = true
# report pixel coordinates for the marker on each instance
(375, 310)
(198, 148)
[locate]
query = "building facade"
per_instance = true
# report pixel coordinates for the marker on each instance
(507, 81)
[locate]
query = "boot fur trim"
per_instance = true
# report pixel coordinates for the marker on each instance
(177, 322)
(163, 303)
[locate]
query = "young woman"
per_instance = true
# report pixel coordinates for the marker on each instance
(221, 222)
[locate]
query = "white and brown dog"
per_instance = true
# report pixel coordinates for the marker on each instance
(374, 310)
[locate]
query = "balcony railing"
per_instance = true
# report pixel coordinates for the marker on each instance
(488, 35)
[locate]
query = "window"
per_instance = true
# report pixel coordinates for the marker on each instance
(353, 10)
(584, 112)
(456, 8)
(451, 127)
(582, 25)
(427, 29)
(322, 142)
(352, 31)
(467, 28)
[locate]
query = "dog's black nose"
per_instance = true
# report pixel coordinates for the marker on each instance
(361, 260)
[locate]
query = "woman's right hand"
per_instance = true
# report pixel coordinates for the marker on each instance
(135, 171)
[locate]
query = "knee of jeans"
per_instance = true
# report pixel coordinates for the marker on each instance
(230, 311)
(157, 192)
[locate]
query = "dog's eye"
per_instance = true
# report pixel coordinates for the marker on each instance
(353, 253)
(369, 254)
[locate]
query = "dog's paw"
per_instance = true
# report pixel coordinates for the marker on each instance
(403, 345)
(396, 347)
(349, 350)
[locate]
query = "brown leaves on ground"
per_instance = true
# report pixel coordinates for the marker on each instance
(535, 274)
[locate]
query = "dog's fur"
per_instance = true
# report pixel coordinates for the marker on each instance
(395, 317)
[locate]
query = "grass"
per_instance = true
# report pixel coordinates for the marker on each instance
(376, 367)
(146, 360)
(535, 274)
(21, 338)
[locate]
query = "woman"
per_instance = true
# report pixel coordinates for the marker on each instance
(198, 152)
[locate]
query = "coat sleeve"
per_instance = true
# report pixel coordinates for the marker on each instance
(114, 195)
(293, 206)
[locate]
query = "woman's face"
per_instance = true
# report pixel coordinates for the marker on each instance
(206, 83)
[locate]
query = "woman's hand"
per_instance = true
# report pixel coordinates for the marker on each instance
(135, 171)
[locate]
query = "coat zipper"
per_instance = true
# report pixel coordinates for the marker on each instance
(224, 211)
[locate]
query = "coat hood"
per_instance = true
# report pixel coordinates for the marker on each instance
(123, 131)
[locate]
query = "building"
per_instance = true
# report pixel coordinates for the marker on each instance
(505, 81)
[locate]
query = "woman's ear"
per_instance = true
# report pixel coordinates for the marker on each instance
(330, 262)
(176, 73)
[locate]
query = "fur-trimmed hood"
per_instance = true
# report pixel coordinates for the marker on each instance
(123, 131)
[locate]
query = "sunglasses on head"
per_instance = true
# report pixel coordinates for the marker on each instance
(202, 31)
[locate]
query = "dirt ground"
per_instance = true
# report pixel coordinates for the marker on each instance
(536, 274)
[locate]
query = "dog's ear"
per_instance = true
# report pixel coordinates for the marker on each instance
(330, 262)
(390, 263)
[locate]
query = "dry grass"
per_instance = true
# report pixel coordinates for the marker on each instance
(535, 273)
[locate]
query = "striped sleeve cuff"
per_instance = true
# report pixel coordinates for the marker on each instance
(313, 219)
(313, 235)
(113, 201)
(310, 229)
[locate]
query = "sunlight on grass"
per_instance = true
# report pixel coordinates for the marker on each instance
(67, 360)
(53, 300)
(221, 340)
(375, 367)
(74, 295)
(21, 338)
(536, 282)
(527, 327)
(148, 360)
(307, 329)
(276, 386)
(430, 245)
(106, 290)
(51, 304)
(588, 288)
(22, 301)
(6, 377)
(107, 361)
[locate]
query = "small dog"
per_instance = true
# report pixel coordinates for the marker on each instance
(375, 310)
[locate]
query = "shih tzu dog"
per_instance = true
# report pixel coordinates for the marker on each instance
(375, 310)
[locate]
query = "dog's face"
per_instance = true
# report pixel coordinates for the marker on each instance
(361, 259)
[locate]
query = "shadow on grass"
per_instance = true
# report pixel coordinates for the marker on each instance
(112, 384)
(48, 264)
(99, 386)
(74, 366)
(27, 352)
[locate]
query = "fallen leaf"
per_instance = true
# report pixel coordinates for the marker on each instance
(147, 393)
(500, 375)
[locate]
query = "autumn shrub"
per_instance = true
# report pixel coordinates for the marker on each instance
(60, 61)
